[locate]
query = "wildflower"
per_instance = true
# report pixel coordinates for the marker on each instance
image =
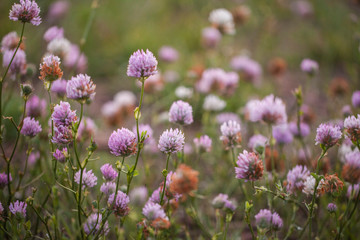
(250, 70)
(138, 195)
(223, 20)
(171, 141)
(203, 143)
(80, 88)
(60, 47)
(184, 92)
(153, 211)
(63, 115)
(332, 184)
(230, 206)
(59, 87)
(160, 223)
(351, 169)
(33, 157)
(210, 37)
(212, 79)
(220, 200)
(142, 64)
(181, 113)
(265, 219)
(282, 134)
(309, 66)
(184, 180)
(35, 107)
(10, 42)
(145, 128)
(270, 110)
(304, 129)
(62, 135)
(18, 65)
(331, 207)
(61, 155)
(58, 9)
(352, 127)
(122, 143)
(108, 172)
(327, 135)
(355, 99)
(27, 11)
(18, 208)
(213, 103)
(52, 33)
(30, 127)
(88, 178)
(249, 166)
(309, 185)
(296, 177)
(258, 143)
(50, 69)
(352, 191)
(120, 207)
(346, 110)
(231, 135)
(4, 180)
(168, 54)
(93, 225)
(108, 188)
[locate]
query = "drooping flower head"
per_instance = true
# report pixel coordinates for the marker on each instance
(327, 135)
(88, 179)
(59, 87)
(53, 33)
(93, 225)
(351, 169)
(50, 69)
(120, 206)
(355, 99)
(18, 208)
(203, 143)
(142, 64)
(309, 66)
(296, 178)
(81, 88)
(249, 166)
(153, 211)
(181, 113)
(282, 134)
(230, 134)
(171, 141)
(61, 155)
(63, 115)
(108, 172)
(122, 143)
(27, 11)
(18, 65)
(30, 127)
(352, 127)
(184, 180)
(4, 180)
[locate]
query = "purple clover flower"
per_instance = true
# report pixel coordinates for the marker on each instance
(35, 107)
(327, 135)
(230, 134)
(153, 211)
(93, 225)
(4, 180)
(18, 65)
(142, 64)
(62, 135)
(168, 54)
(219, 200)
(52, 33)
(30, 127)
(211, 37)
(258, 143)
(331, 207)
(171, 141)
(122, 143)
(80, 88)
(18, 208)
(26, 11)
(108, 188)
(63, 115)
(61, 155)
(9, 41)
(309, 66)
(265, 219)
(145, 128)
(249, 166)
(282, 134)
(88, 178)
(108, 172)
(296, 178)
(304, 129)
(355, 99)
(203, 143)
(120, 207)
(181, 113)
(59, 87)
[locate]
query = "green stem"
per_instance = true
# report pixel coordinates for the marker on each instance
(28, 152)
(233, 156)
(43, 221)
(165, 175)
(139, 144)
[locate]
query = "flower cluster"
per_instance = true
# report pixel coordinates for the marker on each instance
(120, 206)
(249, 166)
(267, 220)
(327, 135)
(142, 64)
(122, 143)
(203, 143)
(30, 127)
(88, 178)
(50, 69)
(181, 113)
(27, 11)
(171, 141)
(80, 88)
(230, 134)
